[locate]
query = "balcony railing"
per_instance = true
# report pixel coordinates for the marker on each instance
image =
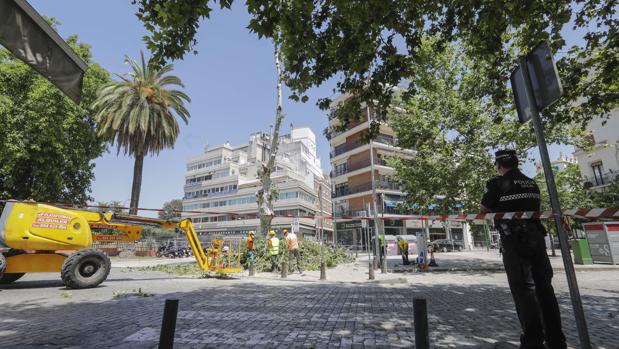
(346, 147)
(604, 179)
(340, 171)
(343, 191)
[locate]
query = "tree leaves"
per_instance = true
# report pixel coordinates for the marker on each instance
(450, 124)
(136, 111)
(372, 45)
(47, 143)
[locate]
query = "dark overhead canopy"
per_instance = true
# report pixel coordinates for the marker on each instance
(28, 36)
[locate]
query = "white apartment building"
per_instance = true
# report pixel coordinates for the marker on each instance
(222, 183)
(600, 165)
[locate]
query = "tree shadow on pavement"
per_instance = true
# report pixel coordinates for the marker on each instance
(244, 314)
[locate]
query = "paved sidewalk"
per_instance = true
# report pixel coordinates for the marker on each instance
(466, 310)
(482, 260)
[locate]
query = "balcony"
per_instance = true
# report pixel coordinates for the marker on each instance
(597, 181)
(340, 171)
(384, 185)
(346, 147)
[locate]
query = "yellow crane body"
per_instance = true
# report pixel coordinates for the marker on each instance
(37, 237)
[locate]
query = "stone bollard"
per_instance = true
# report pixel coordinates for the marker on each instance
(284, 269)
(383, 266)
(371, 271)
(323, 271)
(252, 268)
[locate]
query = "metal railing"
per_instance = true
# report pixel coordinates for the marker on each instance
(343, 191)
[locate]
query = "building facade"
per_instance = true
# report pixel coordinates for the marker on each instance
(559, 165)
(352, 164)
(599, 166)
(222, 182)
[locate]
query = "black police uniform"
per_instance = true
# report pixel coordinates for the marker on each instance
(528, 268)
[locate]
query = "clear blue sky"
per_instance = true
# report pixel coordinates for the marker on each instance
(231, 82)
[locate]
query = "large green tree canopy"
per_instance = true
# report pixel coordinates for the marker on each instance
(371, 44)
(47, 142)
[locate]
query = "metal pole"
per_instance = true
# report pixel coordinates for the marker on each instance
(323, 270)
(168, 324)
(579, 314)
(420, 318)
(333, 222)
(375, 212)
(383, 262)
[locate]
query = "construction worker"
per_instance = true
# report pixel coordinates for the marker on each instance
(251, 251)
(273, 249)
(403, 247)
(528, 269)
(292, 247)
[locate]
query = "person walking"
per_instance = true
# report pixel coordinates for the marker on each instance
(403, 247)
(273, 249)
(292, 247)
(528, 268)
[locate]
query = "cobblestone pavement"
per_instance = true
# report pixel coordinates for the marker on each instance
(466, 310)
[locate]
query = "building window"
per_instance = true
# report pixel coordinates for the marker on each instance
(341, 169)
(597, 173)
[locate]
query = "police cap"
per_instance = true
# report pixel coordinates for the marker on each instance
(505, 155)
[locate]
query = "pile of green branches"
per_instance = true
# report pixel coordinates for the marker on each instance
(310, 255)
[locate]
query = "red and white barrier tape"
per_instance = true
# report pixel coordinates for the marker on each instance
(581, 213)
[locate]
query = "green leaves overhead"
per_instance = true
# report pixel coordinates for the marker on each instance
(173, 25)
(450, 124)
(372, 45)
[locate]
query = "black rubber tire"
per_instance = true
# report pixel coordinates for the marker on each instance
(459, 248)
(2, 263)
(85, 269)
(10, 278)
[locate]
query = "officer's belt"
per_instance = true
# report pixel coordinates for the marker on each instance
(507, 227)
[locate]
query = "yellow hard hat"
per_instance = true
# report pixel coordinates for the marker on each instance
(272, 233)
(285, 231)
(252, 232)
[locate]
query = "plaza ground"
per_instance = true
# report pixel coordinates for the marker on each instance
(469, 306)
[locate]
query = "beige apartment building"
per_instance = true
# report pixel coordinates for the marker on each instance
(351, 177)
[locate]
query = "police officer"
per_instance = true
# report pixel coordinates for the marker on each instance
(528, 268)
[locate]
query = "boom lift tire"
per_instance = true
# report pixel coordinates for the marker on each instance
(2, 263)
(85, 268)
(10, 278)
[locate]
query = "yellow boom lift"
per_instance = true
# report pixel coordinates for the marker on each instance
(37, 237)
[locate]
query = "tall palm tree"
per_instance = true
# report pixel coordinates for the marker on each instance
(136, 113)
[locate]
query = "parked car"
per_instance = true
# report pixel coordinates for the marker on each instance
(446, 245)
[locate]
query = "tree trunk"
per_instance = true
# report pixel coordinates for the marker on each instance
(137, 183)
(265, 197)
